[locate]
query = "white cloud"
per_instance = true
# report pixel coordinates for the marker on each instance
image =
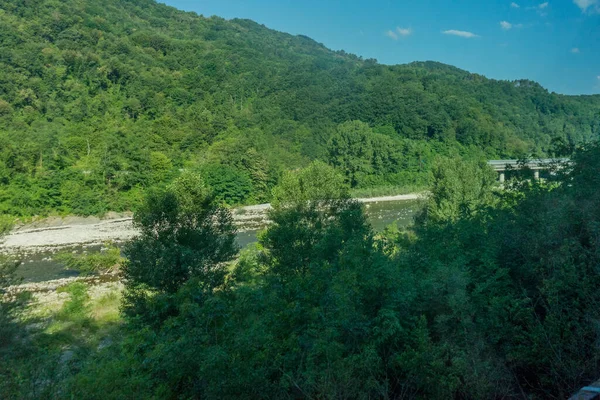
(506, 25)
(514, 5)
(404, 31)
(463, 34)
(399, 32)
(588, 5)
(584, 4)
(540, 8)
(391, 34)
(575, 50)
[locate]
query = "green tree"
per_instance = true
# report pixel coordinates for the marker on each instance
(506, 288)
(160, 165)
(351, 151)
(320, 263)
(184, 235)
(459, 189)
(315, 186)
(228, 184)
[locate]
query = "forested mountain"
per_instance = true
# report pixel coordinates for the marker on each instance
(101, 99)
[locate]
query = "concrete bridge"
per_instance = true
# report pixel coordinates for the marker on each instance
(536, 165)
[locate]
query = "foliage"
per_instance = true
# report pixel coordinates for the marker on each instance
(492, 294)
(351, 150)
(8, 301)
(6, 224)
(508, 291)
(459, 189)
(77, 307)
(101, 100)
(229, 184)
(315, 185)
(13, 345)
(55, 339)
(184, 234)
(97, 262)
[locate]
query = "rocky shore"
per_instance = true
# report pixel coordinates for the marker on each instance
(53, 234)
(105, 280)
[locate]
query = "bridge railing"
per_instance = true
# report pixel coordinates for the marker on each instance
(536, 165)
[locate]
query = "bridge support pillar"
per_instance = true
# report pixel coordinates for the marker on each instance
(536, 174)
(502, 177)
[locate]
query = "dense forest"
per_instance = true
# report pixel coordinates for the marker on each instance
(101, 100)
(133, 105)
(491, 295)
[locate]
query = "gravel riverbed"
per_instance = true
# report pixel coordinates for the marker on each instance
(37, 243)
(56, 233)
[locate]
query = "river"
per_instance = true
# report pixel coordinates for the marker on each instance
(41, 266)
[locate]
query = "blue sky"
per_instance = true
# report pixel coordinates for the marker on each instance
(556, 43)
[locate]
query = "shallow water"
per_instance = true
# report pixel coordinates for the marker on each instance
(40, 267)
(384, 213)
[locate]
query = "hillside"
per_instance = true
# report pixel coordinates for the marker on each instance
(100, 100)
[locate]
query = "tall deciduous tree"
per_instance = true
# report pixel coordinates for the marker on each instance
(184, 234)
(459, 188)
(351, 151)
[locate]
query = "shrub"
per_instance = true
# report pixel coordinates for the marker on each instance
(101, 262)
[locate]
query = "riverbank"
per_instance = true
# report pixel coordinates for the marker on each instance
(53, 234)
(51, 286)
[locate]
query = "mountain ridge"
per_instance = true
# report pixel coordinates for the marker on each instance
(101, 100)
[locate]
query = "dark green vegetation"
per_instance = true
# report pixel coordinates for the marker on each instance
(184, 235)
(100, 100)
(490, 295)
(8, 304)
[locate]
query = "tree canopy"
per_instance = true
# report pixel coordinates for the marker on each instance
(100, 100)
(495, 298)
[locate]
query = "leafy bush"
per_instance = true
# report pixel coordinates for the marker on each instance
(8, 303)
(76, 309)
(476, 302)
(6, 224)
(229, 184)
(184, 235)
(101, 262)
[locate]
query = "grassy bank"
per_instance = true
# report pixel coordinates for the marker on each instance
(54, 334)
